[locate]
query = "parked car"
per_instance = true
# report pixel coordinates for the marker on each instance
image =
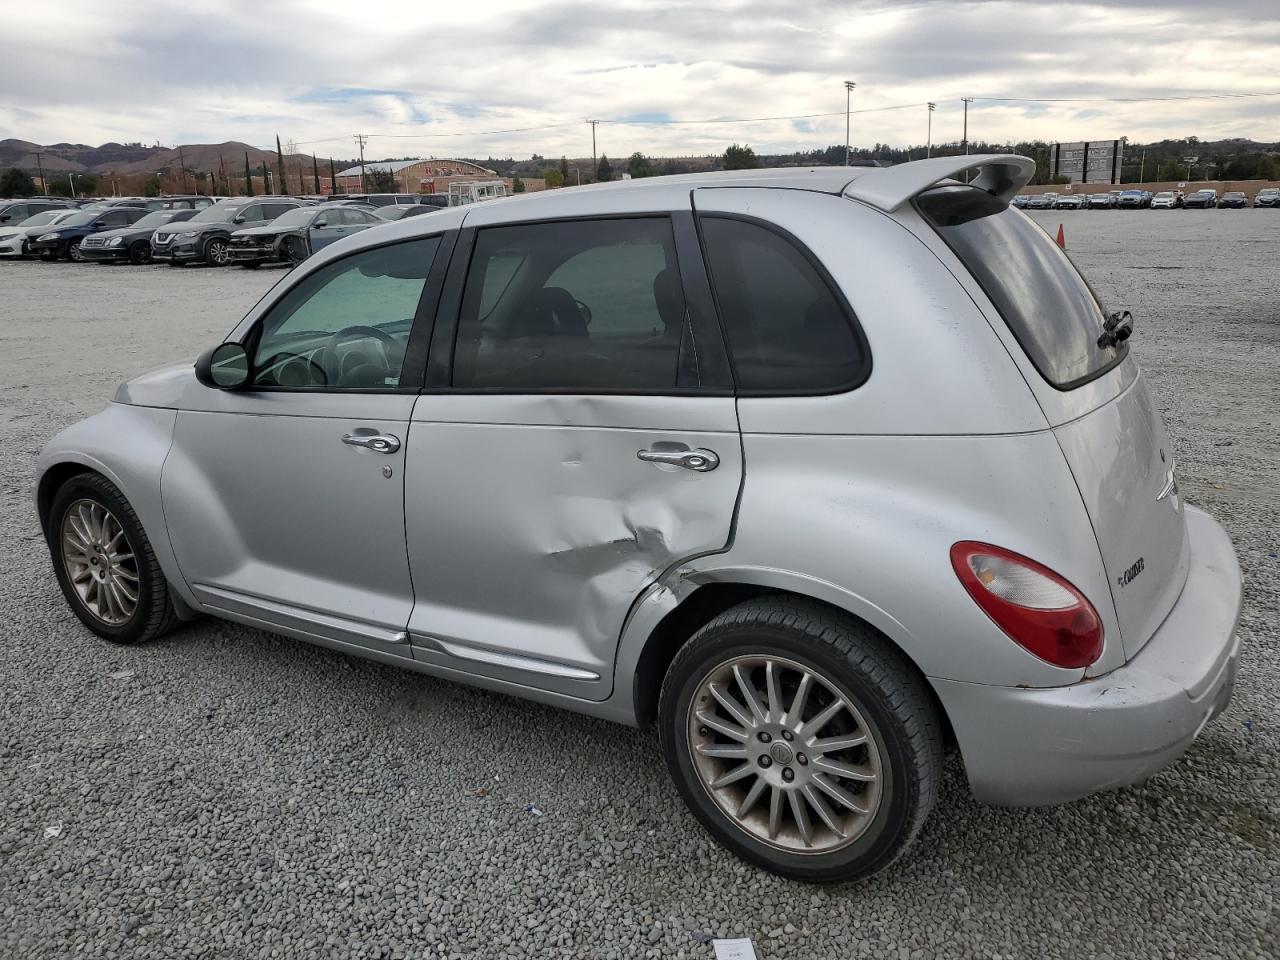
(1019, 201)
(13, 212)
(1042, 201)
(1115, 197)
(399, 212)
(1069, 202)
(13, 240)
(1267, 197)
(1165, 200)
(131, 244)
(1201, 198)
(1133, 199)
(297, 234)
(502, 467)
(1234, 199)
(1100, 201)
(63, 239)
(206, 237)
(387, 199)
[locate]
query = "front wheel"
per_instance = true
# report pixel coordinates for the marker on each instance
(140, 252)
(73, 252)
(104, 562)
(801, 739)
(216, 252)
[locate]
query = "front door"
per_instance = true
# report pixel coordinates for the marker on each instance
(285, 501)
(583, 444)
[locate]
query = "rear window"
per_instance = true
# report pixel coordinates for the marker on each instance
(1052, 311)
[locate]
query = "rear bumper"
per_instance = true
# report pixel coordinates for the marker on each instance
(1029, 747)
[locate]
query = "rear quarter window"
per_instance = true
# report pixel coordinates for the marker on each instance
(1053, 313)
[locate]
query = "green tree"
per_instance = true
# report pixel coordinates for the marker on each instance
(248, 176)
(1266, 168)
(283, 185)
(604, 169)
(1060, 179)
(517, 185)
(638, 166)
(61, 185)
(553, 177)
(564, 169)
(151, 188)
(382, 181)
(16, 183)
(740, 158)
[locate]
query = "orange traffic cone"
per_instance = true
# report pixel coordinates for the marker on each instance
(1062, 238)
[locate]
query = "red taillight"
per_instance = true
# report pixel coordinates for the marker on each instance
(1037, 608)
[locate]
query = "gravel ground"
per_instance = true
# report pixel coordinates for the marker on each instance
(227, 793)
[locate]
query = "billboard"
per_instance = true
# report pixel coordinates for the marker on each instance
(1090, 161)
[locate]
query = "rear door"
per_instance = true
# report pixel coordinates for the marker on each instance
(1090, 390)
(579, 440)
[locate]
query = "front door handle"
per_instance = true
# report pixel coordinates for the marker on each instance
(700, 460)
(377, 442)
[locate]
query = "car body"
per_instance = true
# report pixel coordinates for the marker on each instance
(803, 467)
(1069, 202)
(63, 239)
(206, 237)
(297, 234)
(1042, 201)
(1019, 201)
(1267, 197)
(391, 199)
(132, 244)
(1100, 201)
(1204, 199)
(1234, 200)
(1115, 197)
(13, 212)
(1165, 200)
(14, 239)
(399, 212)
(1133, 199)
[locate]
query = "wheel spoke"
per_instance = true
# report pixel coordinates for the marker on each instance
(801, 815)
(733, 776)
(124, 574)
(749, 694)
(125, 591)
(839, 794)
(722, 751)
(842, 742)
(121, 557)
(823, 717)
(825, 813)
(81, 529)
(772, 692)
(721, 726)
(731, 706)
(752, 796)
(80, 576)
(796, 711)
(840, 769)
(775, 812)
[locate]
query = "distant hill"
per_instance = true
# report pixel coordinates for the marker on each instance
(131, 158)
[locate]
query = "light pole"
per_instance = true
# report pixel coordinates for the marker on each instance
(1142, 168)
(848, 96)
(928, 150)
(577, 172)
(71, 178)
(967, 101)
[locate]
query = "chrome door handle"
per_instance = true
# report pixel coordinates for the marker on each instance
(701, 460)
(378, 442)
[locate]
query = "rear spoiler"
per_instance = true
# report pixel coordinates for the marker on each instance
(1000, 174)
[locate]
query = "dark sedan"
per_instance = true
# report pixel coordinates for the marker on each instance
(64, 238)
(295, 235)
(1234, 200)
(130, 244)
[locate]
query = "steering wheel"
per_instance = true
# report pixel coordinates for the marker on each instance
(329, 359)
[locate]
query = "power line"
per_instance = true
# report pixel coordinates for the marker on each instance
(1200, 96)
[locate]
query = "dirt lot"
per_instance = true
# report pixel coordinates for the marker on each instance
(241, 795)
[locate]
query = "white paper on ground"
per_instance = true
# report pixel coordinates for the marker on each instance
(734, 949)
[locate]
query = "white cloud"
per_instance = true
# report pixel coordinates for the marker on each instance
(312, 70)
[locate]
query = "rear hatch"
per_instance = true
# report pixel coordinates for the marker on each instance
(1093, 396)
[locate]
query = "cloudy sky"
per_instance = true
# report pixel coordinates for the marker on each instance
(437, 77)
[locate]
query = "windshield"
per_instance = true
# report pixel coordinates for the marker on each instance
(299, 217)
(1164, 193)
(1052, 312)
(157, 219)
(216, 214)
(82, 218)
(49, 216)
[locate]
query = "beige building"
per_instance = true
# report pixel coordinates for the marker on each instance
(424, 176)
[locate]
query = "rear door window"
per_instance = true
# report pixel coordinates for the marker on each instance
(1052, 311)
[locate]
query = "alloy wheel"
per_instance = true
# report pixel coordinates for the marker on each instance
(218, 252)
(99, 561)
(73, 251)
(785, 754)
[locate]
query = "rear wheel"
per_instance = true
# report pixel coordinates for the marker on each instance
(140, 252)
(104, 562)
(216, 252)
(73, 251)
(801, 739)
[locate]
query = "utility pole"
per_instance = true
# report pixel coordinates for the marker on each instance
(593, 142)
(965, 138)
(848, 96)
(928, 150)
(71, 178)
(44, 184)
(1142, 167)
(360, 139)
(182, 163)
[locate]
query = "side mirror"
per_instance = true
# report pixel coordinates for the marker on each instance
(238, 219)
(225, 367)
(322, 222)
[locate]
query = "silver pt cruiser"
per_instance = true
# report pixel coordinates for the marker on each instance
(816, 471)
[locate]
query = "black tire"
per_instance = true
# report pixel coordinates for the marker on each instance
(866, 670)
(215, 251)
(139, 252)
(73, 251)
(154, 613)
